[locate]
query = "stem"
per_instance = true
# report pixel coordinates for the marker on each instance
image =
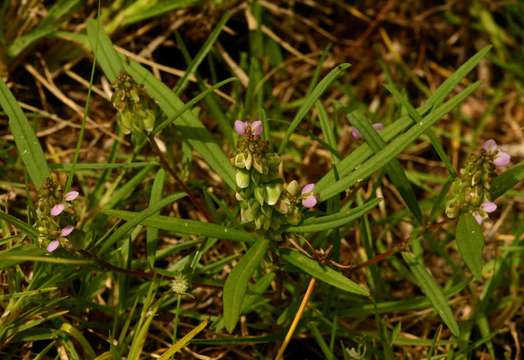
(177, 314)
(296, 320)
(172, 172)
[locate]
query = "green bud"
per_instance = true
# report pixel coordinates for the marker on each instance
(148, 120)
(292, 188)
(260, 194)
(283, 206)
(273, 193)
(248, 160)
(240, 161)
(258, 164)
(294, 216)
(247, 214)
(242, 179)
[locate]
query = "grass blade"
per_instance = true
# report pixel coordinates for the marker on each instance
(333, 221)
(152, 233)
(236, 283)
(139, 219)
(507, 180)
(396, 146)
(393, 169)
(26, 141)
(322, 272)
(310, 100)
(187, 227)
(173, 349)
(431, 289)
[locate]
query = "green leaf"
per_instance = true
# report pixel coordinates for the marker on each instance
(48, 25)
(335, 220)
(199, 57)
(363, 152)
(393, 168)
(470, 243)
(187, 227)
(139, 219)
(106, 56)
(100, 166)
(236, 283)
(180, 344)
(26, 228)
(310, 100)
(152, 233)
(26, 141)
(396, 146)
(507, 180)
(322, 272)
(431, 289)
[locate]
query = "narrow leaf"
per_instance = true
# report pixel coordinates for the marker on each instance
(139, 219)
(173, 349)
(152, 233)
(507, 180)
(236, 283)
(470, 242)
(394, 170)
(396, 146)
(333, 221)
(322, 272)
(310, 100)
(187, 227)
(431, 289)
(26, 141)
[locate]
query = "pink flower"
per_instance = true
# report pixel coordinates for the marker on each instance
(245, 128)
(500, 158)
(309, 199)
(356, 134)
(53, 245)
(57, 209)
(70, 196)
(256, 128)
(488, 206)
(240, 127)
(478, 218)
(67, 230)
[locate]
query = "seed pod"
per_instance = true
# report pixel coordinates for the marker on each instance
(273, 193)
(242, 179)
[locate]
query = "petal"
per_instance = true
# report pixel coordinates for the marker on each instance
(308, 188)
(53, 245)
(488, 206)
(70, 196)
(257, 128)
(355, 133)
(478, 217)
(57, 209)
(240, 127)
(378, 126)
(502, 159)
(309, 202)
(490, 145)
(67, 230)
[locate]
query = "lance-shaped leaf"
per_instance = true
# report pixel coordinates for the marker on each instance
(470, 242)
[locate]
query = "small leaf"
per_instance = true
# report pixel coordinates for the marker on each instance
(236, 283)
(322, 272)
(431, 289)
(470, 242)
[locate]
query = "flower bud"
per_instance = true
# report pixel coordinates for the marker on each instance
(242, 179)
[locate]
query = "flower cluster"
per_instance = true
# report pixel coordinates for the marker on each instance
(53, 218)
(135, 107)
(264, 199)
(470, 191)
